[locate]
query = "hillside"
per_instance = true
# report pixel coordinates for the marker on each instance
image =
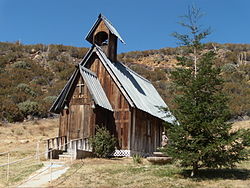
(31, 76)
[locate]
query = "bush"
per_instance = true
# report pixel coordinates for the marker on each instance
(26, 89)
(10, 111)
(29, 108)
(229, 68)
(50, 99)
(103, 143)
(22, 65)
(137, 159)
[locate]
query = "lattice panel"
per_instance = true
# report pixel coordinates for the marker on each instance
(129, 153)
(121, 153)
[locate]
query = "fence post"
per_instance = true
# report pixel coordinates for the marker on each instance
(37, 151)
(71, 151)
(50, 166)
(8, 167)
(48, 149)
(66, 143)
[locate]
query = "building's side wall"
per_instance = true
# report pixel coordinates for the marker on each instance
(146, 132)
(121, 116)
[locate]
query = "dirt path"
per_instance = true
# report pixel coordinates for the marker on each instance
(43, 176)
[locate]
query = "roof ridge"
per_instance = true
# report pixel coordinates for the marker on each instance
(99, 48)
(106, 19)
(108, 24)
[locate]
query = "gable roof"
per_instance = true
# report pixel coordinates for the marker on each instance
(95, 88)
(139, 90)
(109, 25)
(93, 85)
(59, 103)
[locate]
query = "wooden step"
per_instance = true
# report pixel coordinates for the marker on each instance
(159, 154)
(65, 156)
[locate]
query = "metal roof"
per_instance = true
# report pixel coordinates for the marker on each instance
(140, 90)
(59, 103)
(95, 88)
(108, 24)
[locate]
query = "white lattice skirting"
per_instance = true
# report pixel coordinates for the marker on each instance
(129, 153)
(122, 153)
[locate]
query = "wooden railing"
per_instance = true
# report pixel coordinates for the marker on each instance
(57, 143)
(80, 144)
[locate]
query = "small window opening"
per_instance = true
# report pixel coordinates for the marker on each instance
(101, 38)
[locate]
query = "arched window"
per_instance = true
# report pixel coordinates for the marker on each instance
(101, 38)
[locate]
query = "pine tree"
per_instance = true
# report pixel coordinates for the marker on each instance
(201, 136)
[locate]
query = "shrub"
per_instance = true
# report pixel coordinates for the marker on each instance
(10, 111)
(103, 143)
(29, 108)
(50, 99)
(229, 67)
(137, 159)
(26, 89)
(22, 65)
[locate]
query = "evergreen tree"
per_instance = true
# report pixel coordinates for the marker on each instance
(201, 136)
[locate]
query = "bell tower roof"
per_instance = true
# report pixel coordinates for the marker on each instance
(109, 26)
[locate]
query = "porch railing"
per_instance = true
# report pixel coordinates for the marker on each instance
(57, 143)
(80, 144)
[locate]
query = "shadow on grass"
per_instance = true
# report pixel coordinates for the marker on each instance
(208, 174)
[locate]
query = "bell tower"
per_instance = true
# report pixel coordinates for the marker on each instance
(104, 35)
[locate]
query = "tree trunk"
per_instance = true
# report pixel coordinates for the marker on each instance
(195, 169)
(195, 62)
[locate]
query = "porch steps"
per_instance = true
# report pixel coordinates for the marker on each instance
(159, 158)
(65, 156)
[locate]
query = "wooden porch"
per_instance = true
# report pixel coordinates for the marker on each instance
(62, 147)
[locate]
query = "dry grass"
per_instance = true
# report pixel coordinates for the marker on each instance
(124, 173)
(21, 140)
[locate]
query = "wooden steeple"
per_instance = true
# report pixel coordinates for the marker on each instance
(104, 35)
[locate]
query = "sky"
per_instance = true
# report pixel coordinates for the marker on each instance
(143, 24)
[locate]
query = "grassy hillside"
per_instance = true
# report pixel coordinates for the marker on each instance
(31, 76)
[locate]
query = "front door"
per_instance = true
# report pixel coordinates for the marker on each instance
(76, 121)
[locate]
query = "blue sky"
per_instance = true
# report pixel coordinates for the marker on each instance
(143, 24)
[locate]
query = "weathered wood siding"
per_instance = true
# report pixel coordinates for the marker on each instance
(119, 104)
(63, 122)
(111, 48)
(146, 132)
(79, 120)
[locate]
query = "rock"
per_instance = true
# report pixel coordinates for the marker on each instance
(159, 160)
(246, 118)
(24, 141)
